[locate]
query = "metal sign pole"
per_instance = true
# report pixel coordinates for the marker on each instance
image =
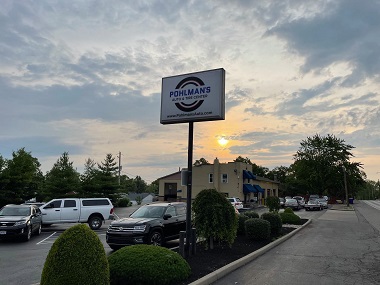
(189, 180)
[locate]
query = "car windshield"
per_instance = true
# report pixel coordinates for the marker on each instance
(149, 212)
(291, 200)
(15, 211)
(312, 201)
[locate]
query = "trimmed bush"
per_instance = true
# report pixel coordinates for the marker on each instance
(147, 264)
(251, 214)
(214, 217)
(273, 203)
(289, 218)
(124, 202)
(241, 224)
(76, 257)
(289, 211)
(257, 229)
(275, 222)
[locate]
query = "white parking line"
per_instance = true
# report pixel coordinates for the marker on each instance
(46, 238)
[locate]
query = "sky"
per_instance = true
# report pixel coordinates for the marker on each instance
(85, 77)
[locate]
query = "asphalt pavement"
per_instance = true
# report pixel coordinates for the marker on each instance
(340, 246)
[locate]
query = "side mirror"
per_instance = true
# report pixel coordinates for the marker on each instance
(167, 216)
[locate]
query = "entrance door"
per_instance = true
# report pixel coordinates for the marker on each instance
(170, 193)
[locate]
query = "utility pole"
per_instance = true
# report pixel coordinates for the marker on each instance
(345, 186)
(119, 165)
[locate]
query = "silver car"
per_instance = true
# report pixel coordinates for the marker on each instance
(301, 200)
(323, 202)
(292, 203)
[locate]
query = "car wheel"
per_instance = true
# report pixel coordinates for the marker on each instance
(28, 233)
(39, 229)
(156, 238)
(115, 247)
(95, 223)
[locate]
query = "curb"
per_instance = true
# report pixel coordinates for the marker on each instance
(223, 271)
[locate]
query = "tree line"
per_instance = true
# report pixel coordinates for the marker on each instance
(319, 167)
(21, 179)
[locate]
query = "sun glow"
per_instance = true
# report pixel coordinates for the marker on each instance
(222, 141)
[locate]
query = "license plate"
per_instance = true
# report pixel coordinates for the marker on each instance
(3, 232)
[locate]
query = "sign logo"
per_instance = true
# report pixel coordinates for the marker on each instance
(185, 92)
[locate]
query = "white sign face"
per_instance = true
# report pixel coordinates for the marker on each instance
(193, 97)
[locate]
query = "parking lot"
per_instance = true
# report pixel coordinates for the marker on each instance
(21, 263)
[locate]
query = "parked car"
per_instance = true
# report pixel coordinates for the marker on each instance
(20, 221)
(300, 200)
(78, 210)
(323, 202)
(313, 196)
(313, 204)
(282, 202)
(236, 202)
(292, 203)
(150, 224)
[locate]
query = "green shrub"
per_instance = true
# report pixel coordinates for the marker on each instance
(257, 229)
(251, 214)
(147, 264)
(241, 224)
(275, 222)
(76, 257)
(214, 217)
(289, 210)
(290, 218)
(124, 202)
(273, 203)
(138, 200)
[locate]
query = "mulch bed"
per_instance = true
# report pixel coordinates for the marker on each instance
(207, 261)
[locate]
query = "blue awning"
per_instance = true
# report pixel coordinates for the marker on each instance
(252, 175)
(258, 188)
(248, 175)
(248, 188)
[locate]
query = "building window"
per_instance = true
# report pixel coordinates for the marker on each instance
(224, 178)
(210, 178)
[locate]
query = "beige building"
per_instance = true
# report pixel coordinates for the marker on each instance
(234, 179)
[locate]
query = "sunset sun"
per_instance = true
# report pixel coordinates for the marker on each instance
(222, 141)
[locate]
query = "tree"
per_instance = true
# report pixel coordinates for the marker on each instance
(62, 180)
(256, 169)
(20, 178)
(320, 163)
(140, 185)
(153, 187)
(90, 187)
(107, 177)
(201, 161)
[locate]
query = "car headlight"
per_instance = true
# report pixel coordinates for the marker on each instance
(23, 222)
(139, 228)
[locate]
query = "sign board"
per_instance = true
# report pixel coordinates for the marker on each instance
(193, 97)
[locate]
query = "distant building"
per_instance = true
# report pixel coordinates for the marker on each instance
(234, 179)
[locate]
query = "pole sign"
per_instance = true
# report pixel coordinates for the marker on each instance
(193, 97)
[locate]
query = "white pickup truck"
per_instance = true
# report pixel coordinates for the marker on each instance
(77, 210)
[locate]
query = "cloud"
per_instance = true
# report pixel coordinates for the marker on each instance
(344, 32)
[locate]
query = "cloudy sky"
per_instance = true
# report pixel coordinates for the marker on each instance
(85, 77)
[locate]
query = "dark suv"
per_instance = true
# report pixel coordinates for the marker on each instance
(150, 224)
(20, 221)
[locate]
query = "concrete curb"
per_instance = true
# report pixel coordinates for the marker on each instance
(221, 272)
